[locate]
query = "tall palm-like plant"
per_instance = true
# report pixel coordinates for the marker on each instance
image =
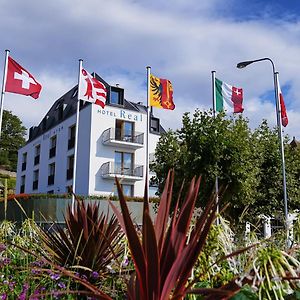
(166, 254)
(90, 240)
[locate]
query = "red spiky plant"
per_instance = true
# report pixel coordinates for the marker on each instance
(90, 239)
(166, 253)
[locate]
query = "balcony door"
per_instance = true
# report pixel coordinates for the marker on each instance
(123, 163)
(124, 131)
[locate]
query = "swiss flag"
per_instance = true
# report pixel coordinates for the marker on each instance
(20, 81)
(237, 99)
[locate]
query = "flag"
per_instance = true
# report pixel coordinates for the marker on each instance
(20, 81)
(91, 89)
(228, 97)
(284, 118)
(161, 93)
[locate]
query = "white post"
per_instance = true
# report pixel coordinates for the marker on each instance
(147, 132)
(76, 137)
(290, 228)
(267, 227)
(213, 74)
(3, 87)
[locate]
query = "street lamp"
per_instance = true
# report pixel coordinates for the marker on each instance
(244, 64)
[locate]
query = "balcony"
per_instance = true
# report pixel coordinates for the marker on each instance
(52, 152)
(50, 179)
(70, 174)
(115, 137)
(36, 160)
(35, 185)
(110, 170)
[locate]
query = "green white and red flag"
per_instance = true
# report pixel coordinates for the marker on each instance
(228, 97)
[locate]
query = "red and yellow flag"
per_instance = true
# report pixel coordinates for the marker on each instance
(161, 93)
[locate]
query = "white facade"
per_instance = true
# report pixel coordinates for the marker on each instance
(111, 142)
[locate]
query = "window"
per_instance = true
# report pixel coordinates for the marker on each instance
(52, 151)
(51, 173)
(50, 192)
(24, 161)
(127, 189)
(154, 125)
(22, 186)
(116, 96)
(35, 182)
(37, 151)
(71, 140)
(124, 131)
(123, 163)
(70, 167)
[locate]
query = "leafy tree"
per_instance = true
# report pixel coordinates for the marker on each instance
(12, 138)
(247, 163)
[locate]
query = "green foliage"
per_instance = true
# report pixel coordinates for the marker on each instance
(12, 138)
(247, 163)
(246, 293)
(271, 269)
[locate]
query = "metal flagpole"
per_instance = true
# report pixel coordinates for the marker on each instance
(3, 87)
(148, 129)
(279, 124)
(76, 137)
(242, 65)
(213, 75)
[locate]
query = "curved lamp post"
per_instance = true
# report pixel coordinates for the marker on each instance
(244, 64)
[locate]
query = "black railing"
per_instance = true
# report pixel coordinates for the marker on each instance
(71, 143)
(50, 179)
(23, 166)
(52, 152)
(37, 160)
(70, 174)
(35, 185)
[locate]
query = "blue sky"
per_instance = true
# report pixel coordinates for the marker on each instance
(182, 40)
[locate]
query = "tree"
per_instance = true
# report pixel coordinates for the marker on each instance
(12, 138)
(247, 163)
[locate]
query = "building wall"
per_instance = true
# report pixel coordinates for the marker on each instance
(101, 153)
(92, 153)
(60, 159)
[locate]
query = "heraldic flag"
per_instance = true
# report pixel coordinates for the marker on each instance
(91, 89)
(161, 93)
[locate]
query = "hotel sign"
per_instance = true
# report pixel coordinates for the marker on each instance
(121, 114)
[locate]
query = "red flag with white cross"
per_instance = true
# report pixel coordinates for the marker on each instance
(20, 81)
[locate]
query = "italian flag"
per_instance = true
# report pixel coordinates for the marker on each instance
(228, 97)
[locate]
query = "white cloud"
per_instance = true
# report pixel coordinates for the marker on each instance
(182, 41)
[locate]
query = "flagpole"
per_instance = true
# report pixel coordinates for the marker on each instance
(213, 75)
(3, 88)
(147, 132)
(279, 125)
(76, 137)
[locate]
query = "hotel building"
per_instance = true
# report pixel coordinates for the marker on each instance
(111, 142)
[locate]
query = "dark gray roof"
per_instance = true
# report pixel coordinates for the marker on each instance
(66, 106)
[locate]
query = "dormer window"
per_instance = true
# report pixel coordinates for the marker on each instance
(116, 96)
